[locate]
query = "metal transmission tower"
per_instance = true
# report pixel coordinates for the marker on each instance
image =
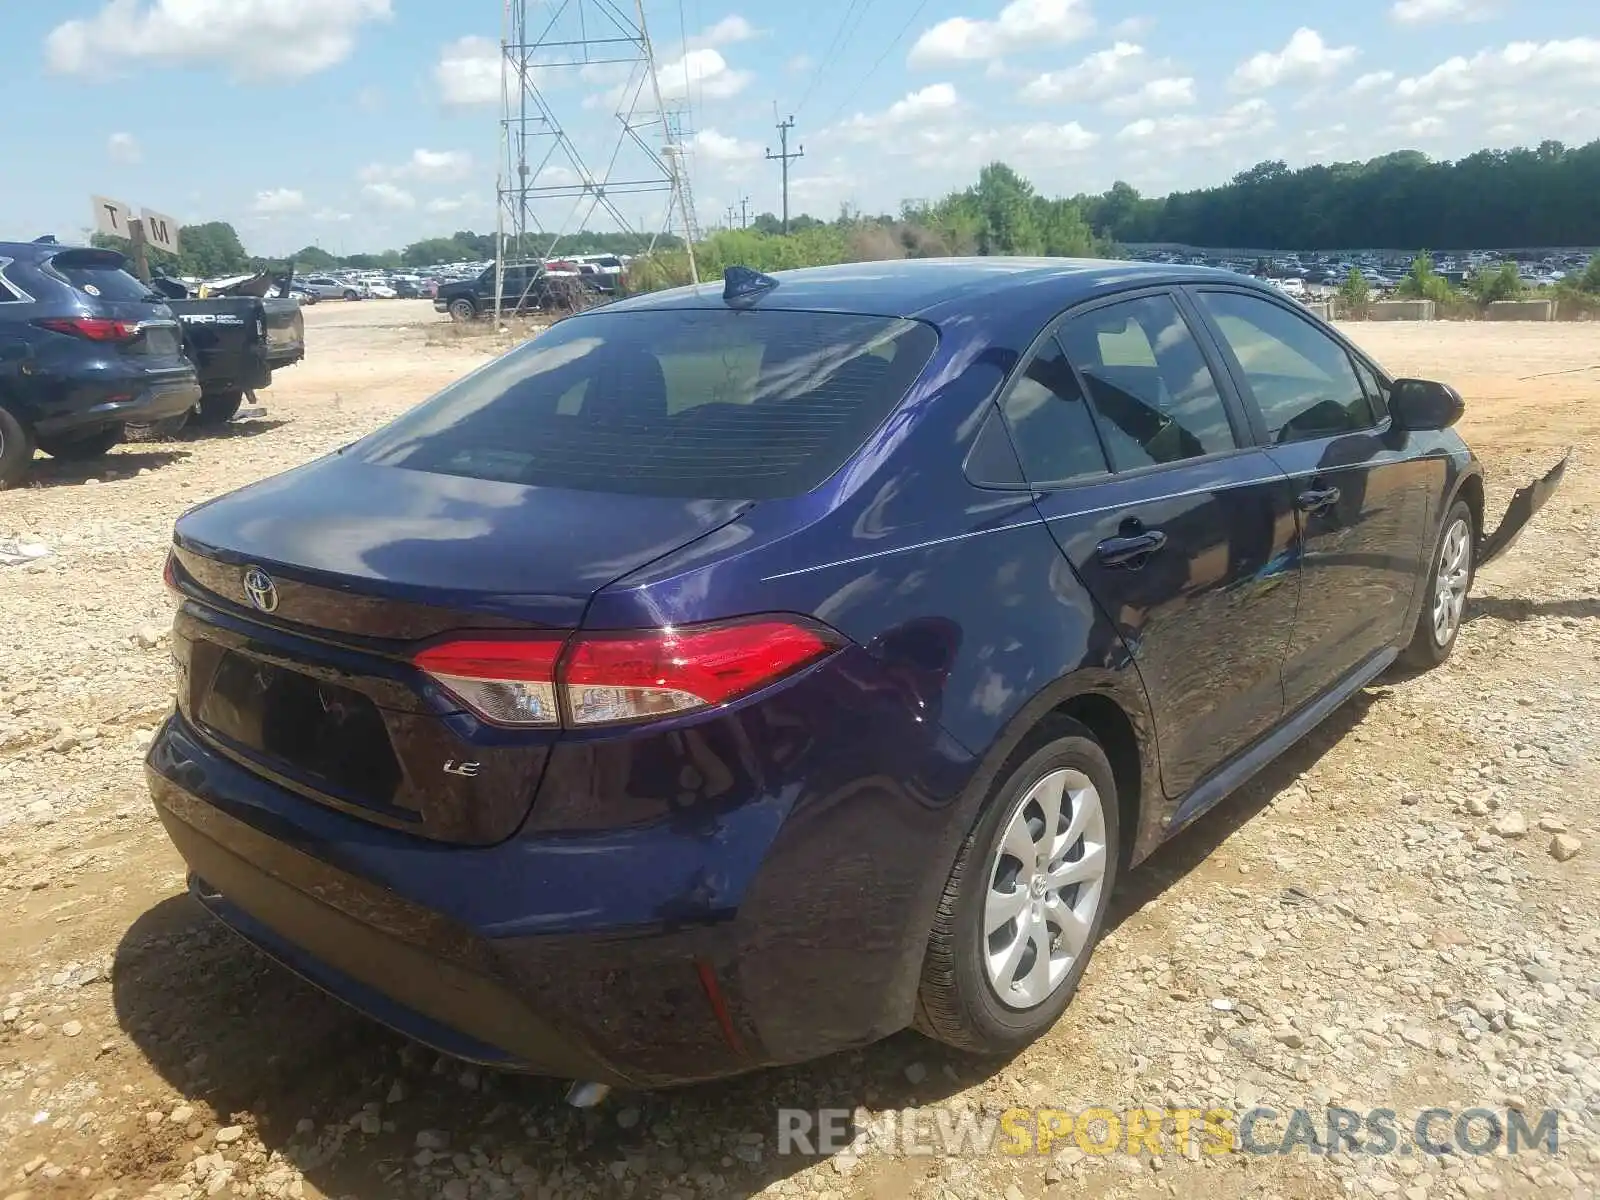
(546, 185)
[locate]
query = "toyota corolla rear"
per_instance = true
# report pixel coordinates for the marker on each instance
(434, 749)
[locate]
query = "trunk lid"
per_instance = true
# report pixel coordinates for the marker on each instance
(307, 596)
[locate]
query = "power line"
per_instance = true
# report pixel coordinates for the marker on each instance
(827, 55)
(887, 50)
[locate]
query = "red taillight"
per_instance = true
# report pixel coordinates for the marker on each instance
(622, 677)
(96, 329)
(633, 676)
(507, 682)
(169, 573)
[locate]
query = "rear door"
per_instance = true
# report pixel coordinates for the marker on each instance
(1180, 529)
(100, 282)
(1361, 487)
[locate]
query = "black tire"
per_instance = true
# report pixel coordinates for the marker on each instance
(957, 1004)
(218, 408)
(80, 449)
(351, 294)
(1426, 650)
(463, 310)
(16, 450)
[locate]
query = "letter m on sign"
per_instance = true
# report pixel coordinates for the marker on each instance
(160, 231)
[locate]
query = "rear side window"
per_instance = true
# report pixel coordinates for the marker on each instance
(713, 404)
(1155, 399)
(98, 273)
(1050, 421)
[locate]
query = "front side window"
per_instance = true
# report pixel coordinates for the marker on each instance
(1376, 392)
(703, 403)
(1155, 400)
(1302, 380)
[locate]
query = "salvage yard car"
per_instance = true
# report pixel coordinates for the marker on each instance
(85, 349)
(737, 674)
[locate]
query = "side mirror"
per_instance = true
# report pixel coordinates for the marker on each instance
(1424, 405)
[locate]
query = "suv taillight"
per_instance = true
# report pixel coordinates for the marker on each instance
(608, 678)
(96, 329)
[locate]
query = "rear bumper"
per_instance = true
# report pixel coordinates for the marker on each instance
(780, 920)
(94, 406)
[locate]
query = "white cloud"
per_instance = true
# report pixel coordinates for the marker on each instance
(1518, 64)
(1038, 142)
(426, 165)
(1306, 58)
(706, 71)
(800, 63)
(1424, 127)
(1247, 119)
(277, 201)
(123, 148)
(1422, 12)
(468, 72)
(721, 148)
(1132, 27)
(1158, 95)
(330, 214)
(387, 195)
(1097, 76)
(1371, 82)
(732, 28)
(937, 99)
(1021, 25)
(256, 38)
(445, 204)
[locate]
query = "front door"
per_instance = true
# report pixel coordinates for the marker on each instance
(1181, 532)
(1361, 490)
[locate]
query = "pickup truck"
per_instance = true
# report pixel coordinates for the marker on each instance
(236, 341)
(524, 287)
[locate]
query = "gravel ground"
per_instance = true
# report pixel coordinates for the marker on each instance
(1400, 914)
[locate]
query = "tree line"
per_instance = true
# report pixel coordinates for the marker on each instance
(1494, 199)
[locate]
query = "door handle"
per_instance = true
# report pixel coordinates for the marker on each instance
(1131, 551)
(1317, 499)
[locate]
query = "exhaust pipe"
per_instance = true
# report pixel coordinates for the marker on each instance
(584, 1094)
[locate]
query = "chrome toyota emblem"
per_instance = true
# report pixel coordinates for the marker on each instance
(259, 587)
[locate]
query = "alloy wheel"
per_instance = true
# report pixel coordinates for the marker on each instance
(1044, 884)
(1451, 580)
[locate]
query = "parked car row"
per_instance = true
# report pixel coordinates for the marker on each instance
(524, 287)
(86, 350)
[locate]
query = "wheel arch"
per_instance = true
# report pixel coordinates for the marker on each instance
(1111, 706)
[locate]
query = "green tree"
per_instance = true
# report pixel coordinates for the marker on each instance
(1489, 284)
(1354, 294)
(314, 258)
(1422, 282)
(1002, 202)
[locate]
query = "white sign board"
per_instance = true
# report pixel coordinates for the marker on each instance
(161, 231)
(112, 216)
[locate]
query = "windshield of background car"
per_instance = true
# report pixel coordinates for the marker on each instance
(713, 404)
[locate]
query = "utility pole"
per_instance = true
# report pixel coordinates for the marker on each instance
(730, 216)
(784, 156)
(744, 212)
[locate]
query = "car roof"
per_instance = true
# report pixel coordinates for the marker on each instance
(38, 251)
(932, 288)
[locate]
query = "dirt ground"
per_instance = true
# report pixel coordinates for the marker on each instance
(1380, 920)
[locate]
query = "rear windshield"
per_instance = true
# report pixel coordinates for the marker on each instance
(714, 404)
(99, 273)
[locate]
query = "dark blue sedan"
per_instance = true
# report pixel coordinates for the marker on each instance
(741, 673)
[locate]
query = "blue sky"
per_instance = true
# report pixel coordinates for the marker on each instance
(364, 124)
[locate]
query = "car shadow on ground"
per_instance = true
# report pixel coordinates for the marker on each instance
(1504, 609)
(61, 472)
(232, 1030)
